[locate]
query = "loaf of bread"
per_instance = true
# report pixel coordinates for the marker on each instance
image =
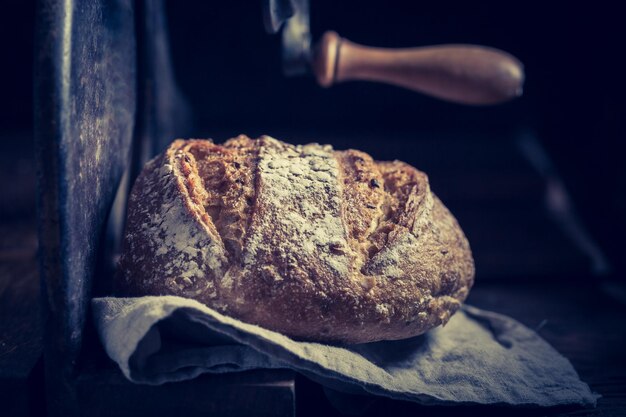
(314, 243)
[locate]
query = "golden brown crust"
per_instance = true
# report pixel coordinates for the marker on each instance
(314, 243)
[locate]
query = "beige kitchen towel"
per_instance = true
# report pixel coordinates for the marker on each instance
(479, 357)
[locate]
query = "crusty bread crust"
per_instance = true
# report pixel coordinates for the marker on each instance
(314, 243)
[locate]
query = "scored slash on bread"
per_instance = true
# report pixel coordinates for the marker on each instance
(314, 243)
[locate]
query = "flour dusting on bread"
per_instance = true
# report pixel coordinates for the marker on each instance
(299, 216)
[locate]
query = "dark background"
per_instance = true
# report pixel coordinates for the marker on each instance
(230, 71)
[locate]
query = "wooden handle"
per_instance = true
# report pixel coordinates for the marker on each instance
(465, 74)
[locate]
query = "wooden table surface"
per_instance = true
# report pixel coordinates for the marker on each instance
(579, 314)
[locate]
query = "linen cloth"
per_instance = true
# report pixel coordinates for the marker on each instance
(479, 357)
